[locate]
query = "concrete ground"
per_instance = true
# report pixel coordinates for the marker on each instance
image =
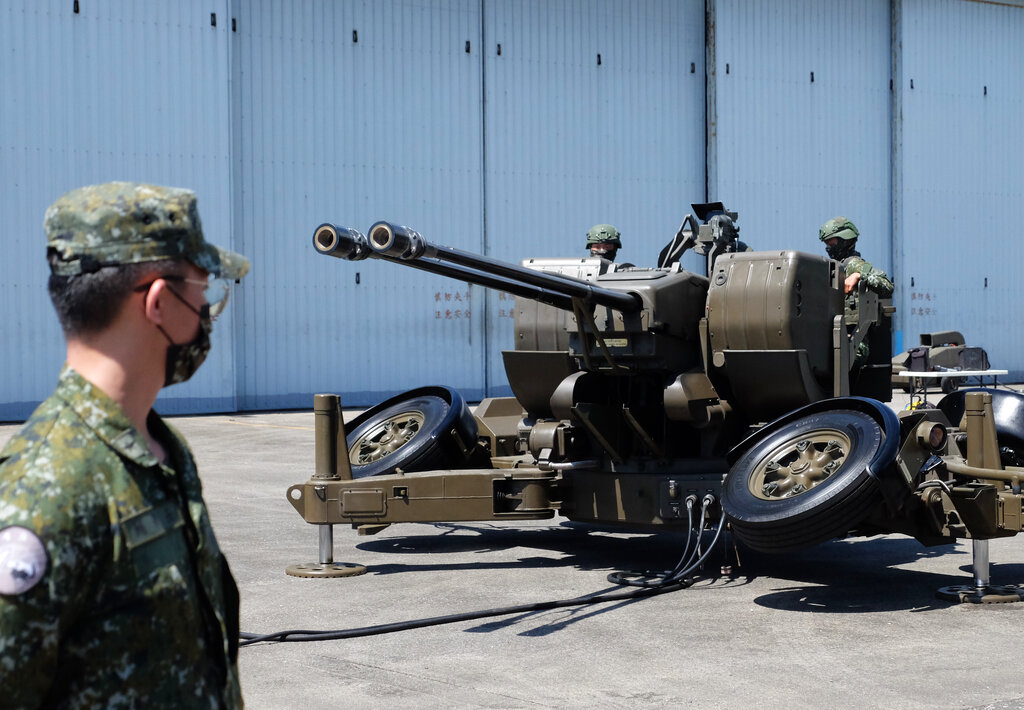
(848, 624)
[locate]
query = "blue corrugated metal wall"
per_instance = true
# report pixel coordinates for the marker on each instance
(283, 115)
(352, 113)
(119, 91)
(594, 113)
(962, 100)
(802, 120)
(393, 94)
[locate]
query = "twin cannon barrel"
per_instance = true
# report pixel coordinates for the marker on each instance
(403, 245)
(765, 331)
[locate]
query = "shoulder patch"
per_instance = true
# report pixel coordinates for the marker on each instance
(22, 560)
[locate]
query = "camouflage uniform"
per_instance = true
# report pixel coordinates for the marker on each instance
(126, 600)
(875, 279)
(845, 251)
(138, 607)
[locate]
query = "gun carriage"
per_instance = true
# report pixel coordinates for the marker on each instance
(644, 394)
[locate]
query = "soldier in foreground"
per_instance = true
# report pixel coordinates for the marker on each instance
(113, 592)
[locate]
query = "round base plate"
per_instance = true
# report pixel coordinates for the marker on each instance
(325, 569)
(997, 594)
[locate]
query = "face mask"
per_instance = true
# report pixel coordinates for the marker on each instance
(183, 360)
(842, 249)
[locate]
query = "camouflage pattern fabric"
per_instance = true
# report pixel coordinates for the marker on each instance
(875, 279)
(127, 223)
(137, 607)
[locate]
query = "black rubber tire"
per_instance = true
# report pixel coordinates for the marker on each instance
(435, 431)
(950, 384)
(1007, 410)
(829, 508)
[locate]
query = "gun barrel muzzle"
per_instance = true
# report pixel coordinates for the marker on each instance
(396, 241)
(340, 242)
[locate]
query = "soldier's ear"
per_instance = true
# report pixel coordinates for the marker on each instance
(154, 301)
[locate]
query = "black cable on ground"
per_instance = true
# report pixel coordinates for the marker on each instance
(650, 584)
(689, 561)
(306, 635)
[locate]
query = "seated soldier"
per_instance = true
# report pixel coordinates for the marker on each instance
(840, 237)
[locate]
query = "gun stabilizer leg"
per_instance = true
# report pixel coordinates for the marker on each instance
(986, 506)
(981, 591)
(332, 464)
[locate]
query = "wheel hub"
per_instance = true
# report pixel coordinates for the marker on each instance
(799, 464)
(386, 438)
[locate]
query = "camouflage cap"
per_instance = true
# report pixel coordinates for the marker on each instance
(129, 223)
(839, 227)
(603, 234)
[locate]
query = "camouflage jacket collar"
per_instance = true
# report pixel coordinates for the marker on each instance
(105, 417)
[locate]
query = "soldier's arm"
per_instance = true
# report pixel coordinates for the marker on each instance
(40, 605)
(878, 282)
(851, 282)
(873, 278)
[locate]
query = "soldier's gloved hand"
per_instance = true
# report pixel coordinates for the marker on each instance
(851, 282)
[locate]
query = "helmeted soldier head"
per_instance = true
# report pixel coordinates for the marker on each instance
(603, 241)
(840, 237)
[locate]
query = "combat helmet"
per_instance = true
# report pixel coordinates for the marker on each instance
(603, 234)
(843, 229)
(838, 227)
(603, 241)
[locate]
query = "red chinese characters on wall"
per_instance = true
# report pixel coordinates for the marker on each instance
(922, 303)
(455, 305)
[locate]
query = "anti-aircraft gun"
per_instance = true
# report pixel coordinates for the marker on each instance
(641, 391)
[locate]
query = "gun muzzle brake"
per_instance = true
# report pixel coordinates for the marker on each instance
(340, 242)
(396, 241)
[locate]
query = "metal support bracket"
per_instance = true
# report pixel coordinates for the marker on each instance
(982, 591)
(332, 464)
